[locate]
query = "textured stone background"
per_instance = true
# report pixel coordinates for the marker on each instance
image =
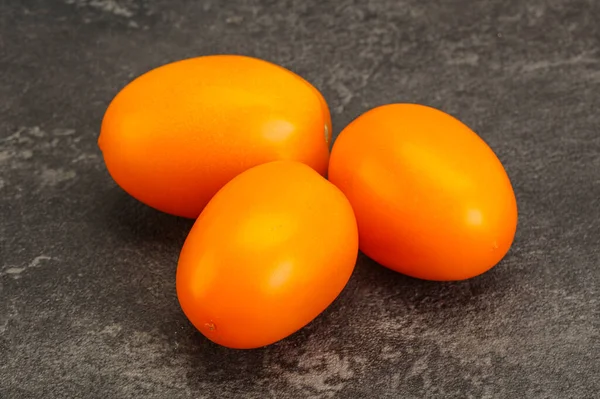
(87, 299)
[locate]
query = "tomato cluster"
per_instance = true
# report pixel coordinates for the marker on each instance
(242, 145)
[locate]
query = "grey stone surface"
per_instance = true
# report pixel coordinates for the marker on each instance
(87, 298)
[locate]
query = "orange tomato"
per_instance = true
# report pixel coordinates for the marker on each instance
(431, 199)
(175, 135)
(272, 249)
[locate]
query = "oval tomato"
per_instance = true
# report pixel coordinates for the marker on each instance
(431, 199)
(271, 250)
(175, 135)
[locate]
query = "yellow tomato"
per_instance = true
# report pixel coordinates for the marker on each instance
(271, 250)
(431, 198)
(175, 135)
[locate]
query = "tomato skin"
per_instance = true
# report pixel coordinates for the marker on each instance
(271, 250)
(175, 135)
(431, 198)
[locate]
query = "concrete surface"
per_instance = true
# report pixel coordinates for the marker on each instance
(87, 298)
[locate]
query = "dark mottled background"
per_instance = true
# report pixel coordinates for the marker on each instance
(87, 299)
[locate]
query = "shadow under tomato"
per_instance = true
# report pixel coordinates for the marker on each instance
(422, 294)
(134, 222)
